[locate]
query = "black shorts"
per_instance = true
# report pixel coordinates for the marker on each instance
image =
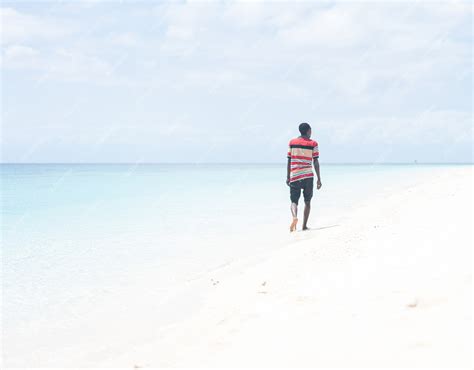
(296, 186)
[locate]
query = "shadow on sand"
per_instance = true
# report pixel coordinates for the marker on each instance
(319, 228)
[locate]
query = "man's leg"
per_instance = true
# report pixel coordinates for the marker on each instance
(295, 193)
(308, 194)
(294, 213)
(307, 209)
(294, 210)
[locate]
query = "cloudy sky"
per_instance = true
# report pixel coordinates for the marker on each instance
(187, 81)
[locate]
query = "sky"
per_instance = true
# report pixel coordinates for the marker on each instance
(199, 82)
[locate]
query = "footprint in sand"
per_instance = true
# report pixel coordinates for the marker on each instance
(263, 291)
(427, 302)
(302, 299)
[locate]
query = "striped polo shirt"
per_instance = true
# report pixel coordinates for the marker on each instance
(302, 151)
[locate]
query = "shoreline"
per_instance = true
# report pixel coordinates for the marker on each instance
(385, 289)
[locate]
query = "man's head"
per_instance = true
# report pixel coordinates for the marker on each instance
(305, 129)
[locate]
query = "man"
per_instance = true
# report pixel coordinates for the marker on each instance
(302, 154)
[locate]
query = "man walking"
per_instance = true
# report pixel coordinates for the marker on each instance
(302, 154)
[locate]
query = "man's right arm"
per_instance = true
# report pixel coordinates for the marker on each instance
(288, 168)
(316, 163)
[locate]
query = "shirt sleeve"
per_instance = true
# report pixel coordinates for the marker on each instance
(316, 150)
(289, 152)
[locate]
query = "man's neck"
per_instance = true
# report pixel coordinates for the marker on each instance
(304, 136)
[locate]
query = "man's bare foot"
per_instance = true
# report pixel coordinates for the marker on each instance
(293, 225)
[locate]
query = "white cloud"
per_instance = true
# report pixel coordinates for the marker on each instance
(428, 126)
(19, 56)
(63, 64)
(128, 39)
(74, 65)
(338, 26)
(19, 52)
(19, 27)
(356, 43)
(31, 42)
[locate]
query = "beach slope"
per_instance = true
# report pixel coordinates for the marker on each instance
(390, 286)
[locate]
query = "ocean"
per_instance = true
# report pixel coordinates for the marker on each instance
(90, 245)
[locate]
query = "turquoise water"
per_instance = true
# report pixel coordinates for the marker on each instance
(69, 229)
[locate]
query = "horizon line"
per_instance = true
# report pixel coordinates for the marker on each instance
(136, 163)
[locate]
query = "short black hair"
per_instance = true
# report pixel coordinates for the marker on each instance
(304, 128)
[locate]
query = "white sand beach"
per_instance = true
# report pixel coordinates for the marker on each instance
(389, 286)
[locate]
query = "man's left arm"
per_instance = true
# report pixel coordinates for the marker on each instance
(316, 168)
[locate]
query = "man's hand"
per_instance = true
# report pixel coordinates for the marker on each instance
(288, 182)
(318, 184)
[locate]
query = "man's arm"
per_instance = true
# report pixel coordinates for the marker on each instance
(288, 168)
(316, 168)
